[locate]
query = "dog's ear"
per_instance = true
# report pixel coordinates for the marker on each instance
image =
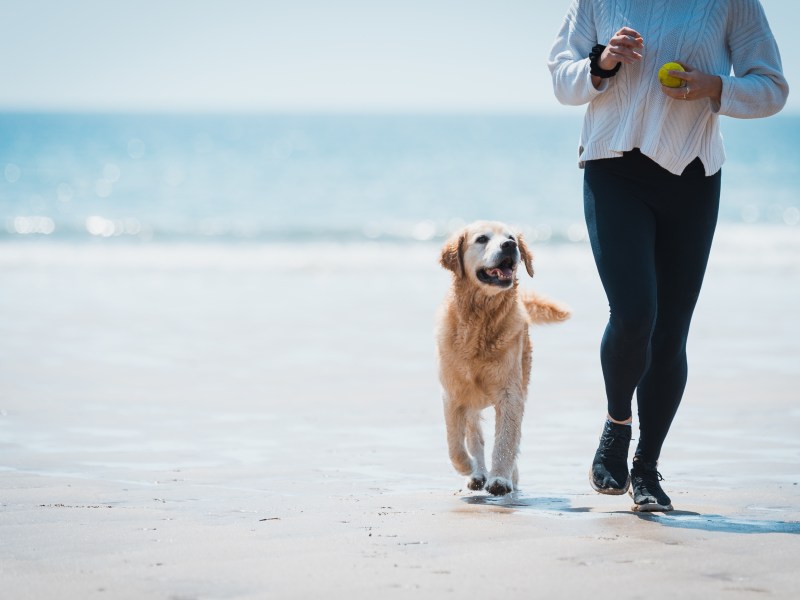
(452, 257)
(526, 254)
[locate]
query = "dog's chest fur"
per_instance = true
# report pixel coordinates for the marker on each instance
(485, 341)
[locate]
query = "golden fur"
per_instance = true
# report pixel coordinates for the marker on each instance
(484, 349)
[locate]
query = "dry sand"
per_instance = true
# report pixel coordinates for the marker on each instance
(265, 422)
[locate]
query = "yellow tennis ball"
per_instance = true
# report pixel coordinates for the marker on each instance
(666, 79)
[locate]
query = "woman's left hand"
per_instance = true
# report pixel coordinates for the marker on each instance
(697, 85)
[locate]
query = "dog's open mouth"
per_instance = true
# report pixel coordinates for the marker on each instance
(501, 274)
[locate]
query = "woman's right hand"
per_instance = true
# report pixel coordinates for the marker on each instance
(625, 46)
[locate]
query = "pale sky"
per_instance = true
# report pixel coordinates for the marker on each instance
(296, 55)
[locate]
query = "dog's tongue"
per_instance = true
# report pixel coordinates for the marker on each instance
(500, 272)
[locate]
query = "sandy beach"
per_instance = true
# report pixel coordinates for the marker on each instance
(264, 421)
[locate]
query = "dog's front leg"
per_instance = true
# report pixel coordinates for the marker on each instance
(456, 422)
(508, 431)
(475, 444)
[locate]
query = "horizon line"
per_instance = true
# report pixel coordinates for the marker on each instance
(311, 112)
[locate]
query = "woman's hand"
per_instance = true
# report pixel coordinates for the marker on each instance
(625, 46)
(697, 85)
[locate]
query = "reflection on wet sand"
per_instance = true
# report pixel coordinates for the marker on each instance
(679, 518)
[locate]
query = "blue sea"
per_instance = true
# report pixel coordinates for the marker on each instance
(401, 178)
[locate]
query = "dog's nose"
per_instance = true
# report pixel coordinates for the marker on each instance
(509, 246)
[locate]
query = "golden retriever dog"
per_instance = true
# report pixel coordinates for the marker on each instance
(484, 350)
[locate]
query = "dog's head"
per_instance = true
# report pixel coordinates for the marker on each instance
(487, 253)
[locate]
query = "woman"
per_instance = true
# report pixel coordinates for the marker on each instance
(651, 156)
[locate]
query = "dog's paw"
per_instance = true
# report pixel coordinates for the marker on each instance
(499, 486)
(476, 481)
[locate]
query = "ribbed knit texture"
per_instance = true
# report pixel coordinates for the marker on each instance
(630, 110)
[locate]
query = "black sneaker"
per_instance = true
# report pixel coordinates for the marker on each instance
(646, 490)
(609, 474)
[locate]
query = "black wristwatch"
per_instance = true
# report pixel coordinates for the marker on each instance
(595, 69)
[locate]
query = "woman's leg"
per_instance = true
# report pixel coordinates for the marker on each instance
(622, 231)
(686, 221)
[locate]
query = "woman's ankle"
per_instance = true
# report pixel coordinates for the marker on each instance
(627, 421)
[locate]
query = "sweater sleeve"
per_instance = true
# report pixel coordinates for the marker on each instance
(757, 87)
(569, 62)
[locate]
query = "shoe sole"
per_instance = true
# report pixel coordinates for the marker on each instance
(609, 491)
(651, 507)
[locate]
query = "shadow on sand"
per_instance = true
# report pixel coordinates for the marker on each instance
(679, 518)
(691, 520)
(514, 500)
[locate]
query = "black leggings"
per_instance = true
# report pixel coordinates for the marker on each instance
(651, 234)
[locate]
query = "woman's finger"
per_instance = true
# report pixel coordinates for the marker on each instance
(624, 40)
(677, 93)
(630, 32)
(682, 75)
(623, 53)
(622, 57)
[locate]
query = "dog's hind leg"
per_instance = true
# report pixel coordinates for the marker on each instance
(475, 444)
(508, 423)
(456, 421)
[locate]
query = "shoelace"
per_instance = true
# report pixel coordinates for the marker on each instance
(648, 475)
(649, 479)
(615, 444)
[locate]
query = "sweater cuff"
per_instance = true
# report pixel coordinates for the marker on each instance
(593, 91)
(726, 97)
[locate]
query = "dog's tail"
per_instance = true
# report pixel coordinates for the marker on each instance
(543, 310)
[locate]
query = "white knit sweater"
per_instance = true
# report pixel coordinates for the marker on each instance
(630, 110)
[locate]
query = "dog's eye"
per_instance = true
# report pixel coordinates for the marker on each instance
(511, 237)
(481, 239)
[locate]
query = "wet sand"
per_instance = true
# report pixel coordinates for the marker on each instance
(264, 422)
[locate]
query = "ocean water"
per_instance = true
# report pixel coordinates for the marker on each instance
(340, 178)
